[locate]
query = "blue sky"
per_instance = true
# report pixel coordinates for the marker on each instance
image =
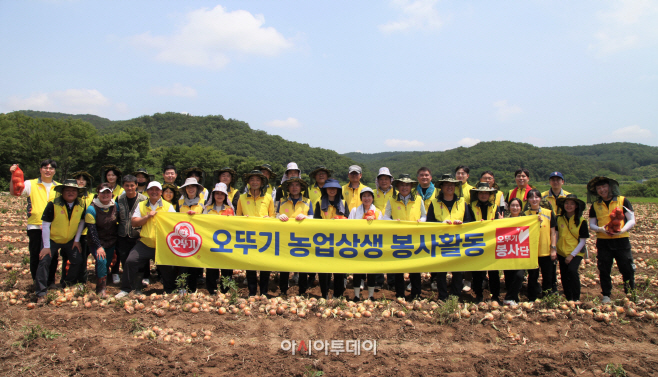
(368, 76)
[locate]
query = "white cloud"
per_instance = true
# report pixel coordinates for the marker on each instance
(468, 142)
(632, 133)
(176, 90)
(416, 15)
(72, 101)
(398, 143)
(207, 37)
(288, 123)
(629, 24)
(505, 111)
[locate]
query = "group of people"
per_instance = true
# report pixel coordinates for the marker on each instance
(115, 225)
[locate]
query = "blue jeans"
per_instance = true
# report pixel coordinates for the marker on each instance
(103, 265)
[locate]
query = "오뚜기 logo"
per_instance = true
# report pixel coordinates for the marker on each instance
(513, 242)
(183, 241)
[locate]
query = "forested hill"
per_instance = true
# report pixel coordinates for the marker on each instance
(173, 134)
(626, 161)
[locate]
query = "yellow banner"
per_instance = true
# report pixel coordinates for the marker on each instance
(345, 246)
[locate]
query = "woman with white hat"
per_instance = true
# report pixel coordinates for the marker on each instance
(365, 211)
(191, 203)
(331, 206)
(221, 206)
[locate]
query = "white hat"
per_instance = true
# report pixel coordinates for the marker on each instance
(191, 181)
(290, 166)
(355, 168)
(385, 171)
(105, 189)
(154, 184)
(221, 187)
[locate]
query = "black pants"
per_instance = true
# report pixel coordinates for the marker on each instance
(253, 283)
(415, 280)
(570, 277)
(494, 284)
(456, 284)
(44, 276)
(339, 285)
(131, 280)
(609, 251)
(513, 283)
(124, 245)
(305, 279)
(82, 272)
(213, 281)
(546, 267)
(34, 246)
(193, 273)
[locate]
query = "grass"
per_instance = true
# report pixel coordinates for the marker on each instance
(232, 287)
(35, 332)
(181, 282)
(615, 370)
(12, 278)
(26, 260)
(135, 326)
(310, 372)
(551, 301)
(443, 312)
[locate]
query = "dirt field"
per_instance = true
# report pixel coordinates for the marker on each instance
(66, 337)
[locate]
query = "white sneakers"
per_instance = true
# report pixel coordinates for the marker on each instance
(605, 300)
(509, 302)
(121, 294)
(467, 286)
(116, 279)
(434, 286)
(146, 282)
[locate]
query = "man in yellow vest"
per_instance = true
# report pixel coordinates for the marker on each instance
(556, 180)
(39, 192)
(383, 192)
(144, 250)
(612, 244)
(63, 222)
(448, 208)
(352, 190)
(294, 206)
(425, 186)
(462, 173)
(407, 205)
(320, 175)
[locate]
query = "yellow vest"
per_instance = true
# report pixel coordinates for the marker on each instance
(520, 193)
(86, 200)
(568, 235)
(314, 193)
(603, 216)
(499, 196)
(441, 212)
(202, 198)
(548, 195)
(477, 212)
(147, 235)
(212, 211)
(381, 199)
(118, 190)
(352, 196)
(39, 199)
(259, 207)
(464, 191)
(231, 194)
(544, 231)
(409, 212)
(302, 207)
(62, 230)
(331, 212)
(198, 208)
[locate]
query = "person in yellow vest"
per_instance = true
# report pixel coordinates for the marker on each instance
(603, 194)
(219, 205)
(499, 200)
(425, 188)
(556, 180)
(171, 193)
(143, 179)
(256, 203)
(200, 176)
(448, 208)
(514, 278)
(295, 206)
(572, 234)
(112, 175)
(268, 172)
(169, 175)
(63, 220)
(144, 250)
(331, 206)
(352, 190)
(406, 205)
(383, 192)
(39, 191)
(484, 208)
(365, 211)
(522, 177)
(229, 177)
(462, 173)
(192, 204)
(319, 175)
(85, 181)
(547, 250)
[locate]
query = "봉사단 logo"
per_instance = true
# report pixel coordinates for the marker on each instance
(513, 242)
(183, 241)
